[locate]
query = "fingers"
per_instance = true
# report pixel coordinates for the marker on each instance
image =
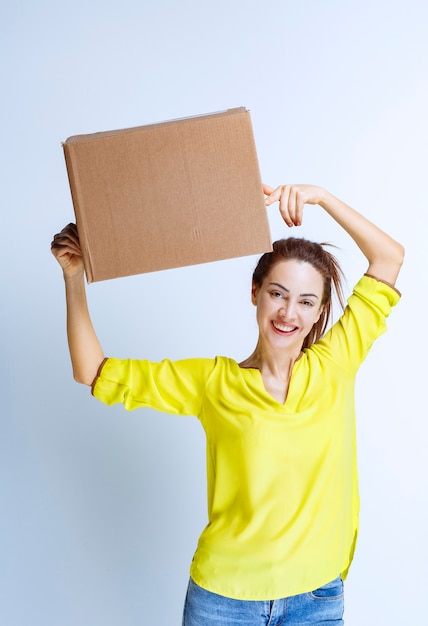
(66, 249)
(67, 241)
(273, 195)
(291, 202)
(298, 208)
(267, 190)
(286, 204)
(62, 247)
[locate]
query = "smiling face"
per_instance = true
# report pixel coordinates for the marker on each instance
(289, 303)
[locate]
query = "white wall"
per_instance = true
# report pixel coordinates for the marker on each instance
(101, 509)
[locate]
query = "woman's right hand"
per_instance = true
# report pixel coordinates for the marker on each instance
(85, 349)
(66, 249)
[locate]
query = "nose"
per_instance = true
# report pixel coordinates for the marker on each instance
(288, 310)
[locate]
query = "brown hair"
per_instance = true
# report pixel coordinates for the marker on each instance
(327, 265)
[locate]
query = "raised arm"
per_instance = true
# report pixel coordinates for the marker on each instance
(85, 349)
(384, 254)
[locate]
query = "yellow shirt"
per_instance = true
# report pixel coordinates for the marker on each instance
(282, 478)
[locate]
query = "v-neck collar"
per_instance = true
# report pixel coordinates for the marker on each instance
(260, 383)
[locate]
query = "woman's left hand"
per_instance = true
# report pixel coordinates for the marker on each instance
(292, 199)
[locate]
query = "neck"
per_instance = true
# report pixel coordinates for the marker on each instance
(278, 363)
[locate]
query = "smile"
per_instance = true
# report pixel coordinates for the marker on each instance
(283, 328)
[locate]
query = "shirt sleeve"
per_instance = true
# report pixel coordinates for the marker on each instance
(169, 386)
(363, 321)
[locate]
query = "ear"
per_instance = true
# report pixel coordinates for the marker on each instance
(254, 292)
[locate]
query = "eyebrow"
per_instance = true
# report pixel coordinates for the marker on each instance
(302, 295)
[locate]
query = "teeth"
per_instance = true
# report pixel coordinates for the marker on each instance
(283, 328)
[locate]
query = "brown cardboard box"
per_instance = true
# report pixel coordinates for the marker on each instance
(166, 195)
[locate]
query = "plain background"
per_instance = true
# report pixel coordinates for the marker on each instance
(100, 509)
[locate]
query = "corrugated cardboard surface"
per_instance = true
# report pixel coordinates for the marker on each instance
(166, 195)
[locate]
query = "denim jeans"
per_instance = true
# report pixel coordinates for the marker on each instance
(322, 606)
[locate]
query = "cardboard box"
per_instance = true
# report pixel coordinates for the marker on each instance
(166, 195)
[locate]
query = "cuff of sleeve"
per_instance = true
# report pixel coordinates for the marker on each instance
(379, 280)
(94, 382)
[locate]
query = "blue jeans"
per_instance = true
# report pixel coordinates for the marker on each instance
(323, 606)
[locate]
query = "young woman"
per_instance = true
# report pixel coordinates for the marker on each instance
(280, 426)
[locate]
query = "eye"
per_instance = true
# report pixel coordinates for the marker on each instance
(308, 303)
(276, 294)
